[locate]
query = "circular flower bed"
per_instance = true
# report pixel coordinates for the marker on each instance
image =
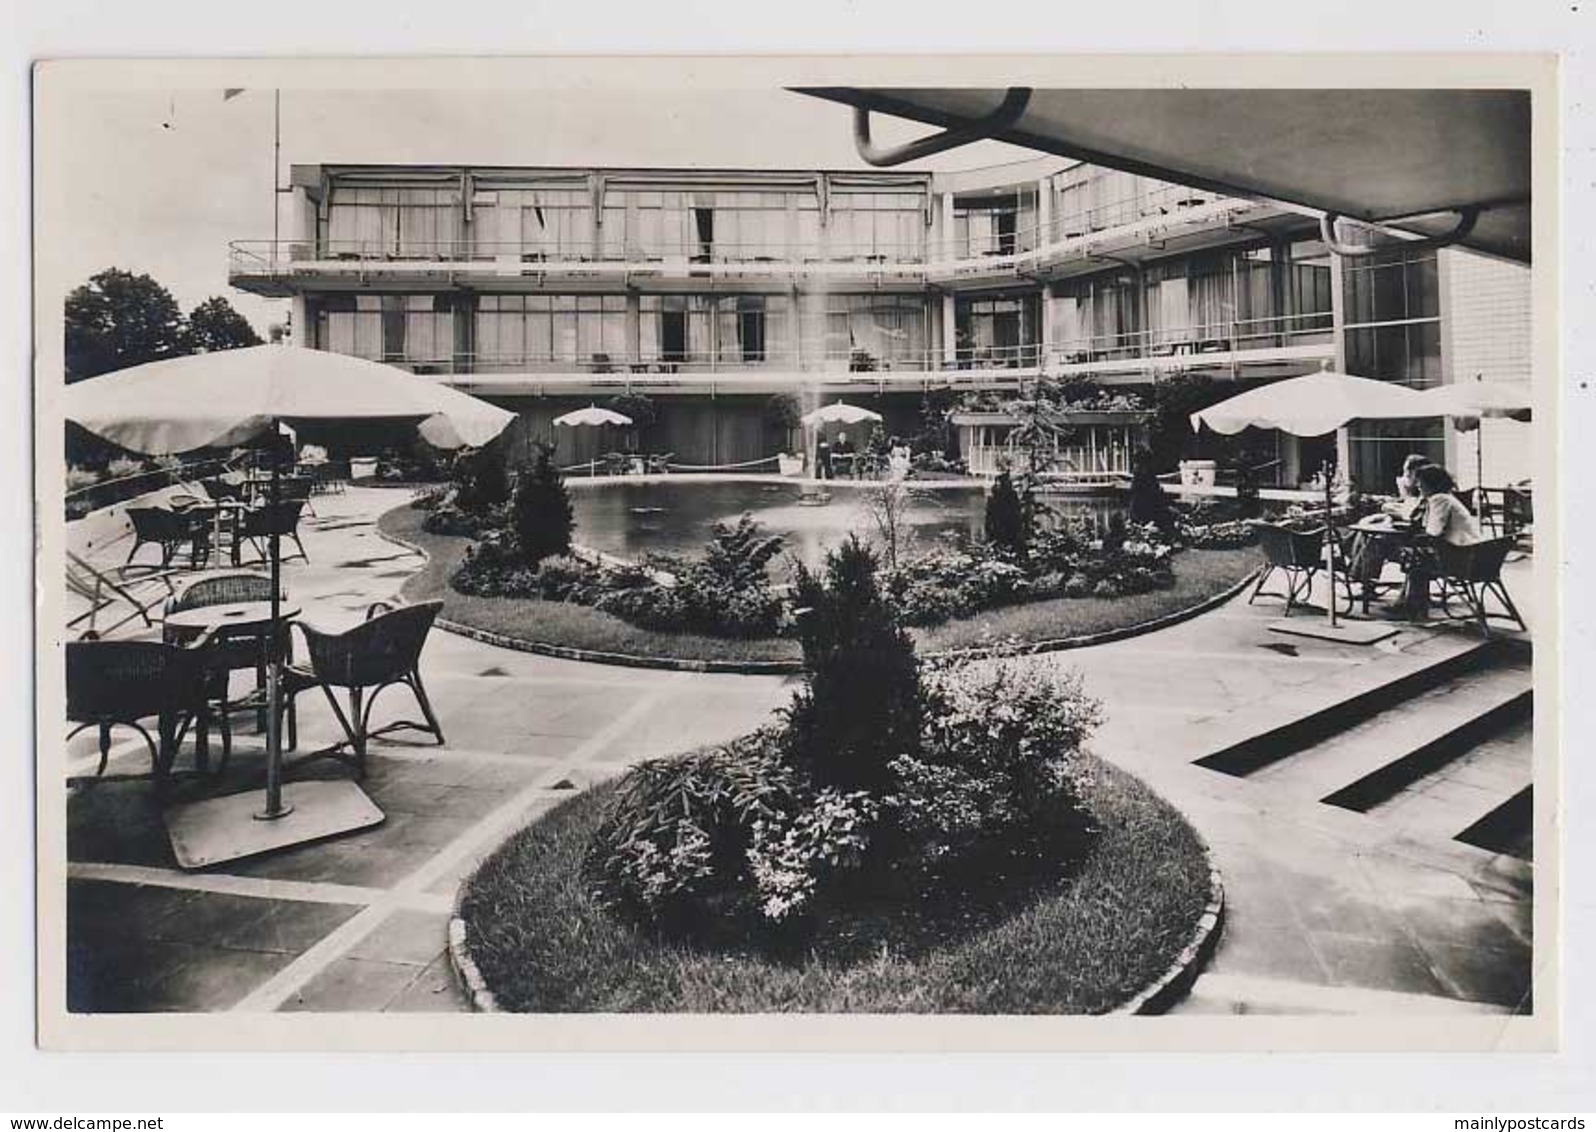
(908, 837)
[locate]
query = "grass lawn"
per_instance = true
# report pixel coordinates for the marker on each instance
(1199, 574)
(1081, 940)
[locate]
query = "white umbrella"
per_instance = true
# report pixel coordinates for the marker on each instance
(1468, 402)
(1313, 405)
(223, 398)
(839, 412)
(220, 399)
(592, 416)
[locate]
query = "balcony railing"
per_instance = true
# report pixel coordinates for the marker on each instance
(1232, 335)
(919, 256)
(1239, 336)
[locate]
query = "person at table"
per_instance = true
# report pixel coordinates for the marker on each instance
(843, 452)
(1408, 495)
(823, 457)
(1367, 558)
(1441, 518)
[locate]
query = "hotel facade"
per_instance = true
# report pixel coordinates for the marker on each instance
(713, 292)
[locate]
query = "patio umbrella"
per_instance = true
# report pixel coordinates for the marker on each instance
(1313, 405)
(224, 398)
(1468, 402)
(593, 417)
(839, 412)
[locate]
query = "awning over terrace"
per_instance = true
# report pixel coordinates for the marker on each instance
(1406, 158)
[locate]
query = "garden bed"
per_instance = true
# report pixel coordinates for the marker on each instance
(1085, 936)
(1199, 575)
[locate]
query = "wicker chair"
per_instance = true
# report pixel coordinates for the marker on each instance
(119, 683)
(382, 651)
(229, 651)
(259, 523)
(1299, 555)
(297, 489)
(660, 462)
(1470, 574)
(169, 530)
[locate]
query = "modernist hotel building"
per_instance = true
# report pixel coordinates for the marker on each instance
(710, 291)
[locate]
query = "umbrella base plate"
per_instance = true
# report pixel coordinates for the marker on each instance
(224, 829)
(1346, 632)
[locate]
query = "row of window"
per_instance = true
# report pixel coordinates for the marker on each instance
(559, 223)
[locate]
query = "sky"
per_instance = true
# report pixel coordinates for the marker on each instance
(159, 182)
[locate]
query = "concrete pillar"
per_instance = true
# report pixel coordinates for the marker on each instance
(950, 337)
(300, 331)
(1338, 316)
(1044, 213)
(633, 332)
(1046, 335)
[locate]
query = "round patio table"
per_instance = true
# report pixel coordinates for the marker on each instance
(1388, 530)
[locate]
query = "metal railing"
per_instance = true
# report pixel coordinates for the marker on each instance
(112, 490)
(1231, 335)
(951, 253)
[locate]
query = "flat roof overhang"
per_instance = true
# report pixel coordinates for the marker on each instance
(1407, 159)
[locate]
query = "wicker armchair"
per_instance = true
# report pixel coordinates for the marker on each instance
(382, 651)
(119, 683)
(259, 523)
(1299, 555)
(1470, 574)
(169, 530)
(229, 651)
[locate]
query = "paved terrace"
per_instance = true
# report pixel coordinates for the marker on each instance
(1329, 910)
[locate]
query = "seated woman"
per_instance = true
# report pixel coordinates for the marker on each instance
(1442, 518)
(1367, 558)
(1408, 495)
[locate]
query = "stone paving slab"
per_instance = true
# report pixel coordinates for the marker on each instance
(1327, 910)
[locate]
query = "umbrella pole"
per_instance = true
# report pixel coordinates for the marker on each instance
(275, 806)
(1330, 542)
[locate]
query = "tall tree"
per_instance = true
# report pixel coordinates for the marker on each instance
(118, 319)
(216, 325)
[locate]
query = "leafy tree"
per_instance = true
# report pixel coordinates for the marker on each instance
(1175, 399)
(215, 325)
(860, 705)
(118, 319)
(542, 510)
(1007, 523)
(639, 407)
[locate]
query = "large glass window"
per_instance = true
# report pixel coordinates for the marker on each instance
(997, 331)
(369, 223)
(579, 330)
(552, 223)
(414, 329)
(877, 226)
(726, 330)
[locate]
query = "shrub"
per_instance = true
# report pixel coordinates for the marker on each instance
(1148, 503)
(541, 510)
(448, 519)
(123, 466)
(480, 481)
(1006, 521)
(675, 842)
(78, 478)
(860, 706)
(998, 769)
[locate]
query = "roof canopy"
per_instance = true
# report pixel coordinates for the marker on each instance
(1406, 157)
